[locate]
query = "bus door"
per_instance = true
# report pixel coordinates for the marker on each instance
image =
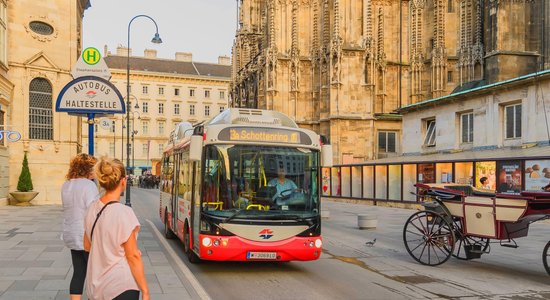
(175, 192)
(196, 205)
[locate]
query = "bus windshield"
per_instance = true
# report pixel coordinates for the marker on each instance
(247, 181)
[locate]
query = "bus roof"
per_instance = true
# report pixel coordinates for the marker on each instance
(271, 127)
(247, 116)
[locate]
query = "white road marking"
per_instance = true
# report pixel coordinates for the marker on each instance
(184, 269)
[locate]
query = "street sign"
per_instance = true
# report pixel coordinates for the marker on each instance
(91, 63)
(90, 95)
(105, 123)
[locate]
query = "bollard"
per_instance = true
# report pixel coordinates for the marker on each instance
(325, 214)
(367, 221)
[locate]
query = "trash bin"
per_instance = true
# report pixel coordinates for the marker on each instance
(367, 221)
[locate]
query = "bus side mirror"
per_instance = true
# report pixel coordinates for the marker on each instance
(195, 148)
(326, 155)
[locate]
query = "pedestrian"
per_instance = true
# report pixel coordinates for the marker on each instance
(77, 194)
(115, 270)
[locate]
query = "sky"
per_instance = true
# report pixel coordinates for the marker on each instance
(205, 28)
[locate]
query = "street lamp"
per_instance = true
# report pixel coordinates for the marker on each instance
(156, 40)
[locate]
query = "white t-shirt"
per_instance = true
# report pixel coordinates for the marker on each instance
(76, 195)
(108, 274)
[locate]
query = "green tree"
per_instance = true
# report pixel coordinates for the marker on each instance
(25, 182)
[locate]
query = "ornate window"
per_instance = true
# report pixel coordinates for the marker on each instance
(41, 27)
(145, 107)
(40, 110)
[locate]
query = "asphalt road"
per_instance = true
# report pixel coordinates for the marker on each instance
(351, 269)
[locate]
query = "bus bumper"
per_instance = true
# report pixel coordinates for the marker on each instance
(234, 248)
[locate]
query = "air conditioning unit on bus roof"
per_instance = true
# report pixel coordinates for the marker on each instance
(247, 116)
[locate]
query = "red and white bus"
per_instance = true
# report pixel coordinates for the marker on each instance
(219, 192)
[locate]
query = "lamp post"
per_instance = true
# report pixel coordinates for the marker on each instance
(134, 132)
(156, 40)
(124, 127)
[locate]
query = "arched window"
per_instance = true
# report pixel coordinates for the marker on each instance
(40, 110)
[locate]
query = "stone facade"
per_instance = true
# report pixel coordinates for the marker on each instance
(6, 94)
(44, 41)
(490, 123)
(340, 66)
(168, 91)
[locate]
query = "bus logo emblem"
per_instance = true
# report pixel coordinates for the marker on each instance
(266, 233)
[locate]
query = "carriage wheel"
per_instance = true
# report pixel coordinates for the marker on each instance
(461, 241)
(545, 256)
(428, 238)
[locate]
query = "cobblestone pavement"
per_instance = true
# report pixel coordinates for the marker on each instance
(35, 264)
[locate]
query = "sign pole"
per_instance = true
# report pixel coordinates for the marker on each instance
(91, 134)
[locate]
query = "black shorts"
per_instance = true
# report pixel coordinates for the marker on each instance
(128, 295)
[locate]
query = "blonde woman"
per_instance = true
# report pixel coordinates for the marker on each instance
(115, 270)
(77, 194)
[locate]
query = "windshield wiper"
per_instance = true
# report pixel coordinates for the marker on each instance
(232, 216)
(296, 218)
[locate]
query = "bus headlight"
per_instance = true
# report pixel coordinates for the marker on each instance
(207, 242)
(318, 243)
(216, 243)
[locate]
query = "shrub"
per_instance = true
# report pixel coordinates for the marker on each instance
(25, 182)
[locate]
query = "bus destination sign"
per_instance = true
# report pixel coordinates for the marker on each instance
(270, 135)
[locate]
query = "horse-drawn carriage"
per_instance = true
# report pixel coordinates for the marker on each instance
(460, 221)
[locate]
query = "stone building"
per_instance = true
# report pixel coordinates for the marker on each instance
(343, 67)
(39, 43)
(167, 91)
(6, 91)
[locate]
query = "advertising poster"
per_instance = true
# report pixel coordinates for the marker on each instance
(426, 173)
(537, 174)
(325, 186)
(486, 169)
(509, 177)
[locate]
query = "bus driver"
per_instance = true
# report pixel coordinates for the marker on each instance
(282, 184)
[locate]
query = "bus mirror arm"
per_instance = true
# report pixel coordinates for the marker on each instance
(195, 148)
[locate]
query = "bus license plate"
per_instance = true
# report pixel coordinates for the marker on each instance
(261, 255)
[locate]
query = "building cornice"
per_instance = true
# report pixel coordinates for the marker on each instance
(475, 91)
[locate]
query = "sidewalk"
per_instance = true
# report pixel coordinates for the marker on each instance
(35, 264)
